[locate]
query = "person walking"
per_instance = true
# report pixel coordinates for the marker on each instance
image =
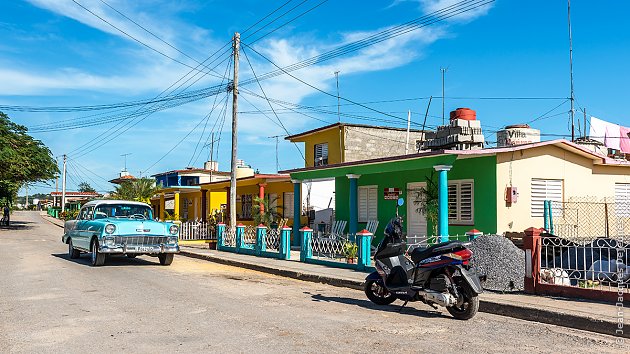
(6, 214)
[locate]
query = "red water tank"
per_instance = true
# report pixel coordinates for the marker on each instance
(464, 113)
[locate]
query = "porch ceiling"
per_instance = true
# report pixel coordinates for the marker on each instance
(376, 166)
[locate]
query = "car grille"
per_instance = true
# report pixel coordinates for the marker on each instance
(140, 240)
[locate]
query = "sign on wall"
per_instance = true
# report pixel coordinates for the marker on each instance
(391, 193)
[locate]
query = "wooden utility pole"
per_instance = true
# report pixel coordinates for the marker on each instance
(63, 185)
(236, 44)
(571, 71)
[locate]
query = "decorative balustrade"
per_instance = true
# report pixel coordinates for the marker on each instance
(257, 241)
(337, 251)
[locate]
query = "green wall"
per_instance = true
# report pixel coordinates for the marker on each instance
(481, 169)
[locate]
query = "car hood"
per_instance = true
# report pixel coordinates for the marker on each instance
(138, 227)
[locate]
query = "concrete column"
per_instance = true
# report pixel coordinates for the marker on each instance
(176, 207)
(261, 195)
(443, 201)
(297, 211)
(162, 206)
(354, 204)
(204, 205)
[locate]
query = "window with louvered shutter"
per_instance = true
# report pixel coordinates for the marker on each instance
(622, 199)
(544, 189)
(288, 205)
(321, 154)
(461, 202)
(368, 203)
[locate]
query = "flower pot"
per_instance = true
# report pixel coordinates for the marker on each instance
(351, 260)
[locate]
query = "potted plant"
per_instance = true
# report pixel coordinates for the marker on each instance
(350, 250)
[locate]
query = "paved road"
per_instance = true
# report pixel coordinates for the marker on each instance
(49, 303)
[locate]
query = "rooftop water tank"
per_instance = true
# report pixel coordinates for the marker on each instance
(517, 134)
(463, 113)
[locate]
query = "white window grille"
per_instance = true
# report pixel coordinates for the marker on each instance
(287, 202)
(321, 154)
(461, 202)
(545, 189)
(368, 203)
(622, 199)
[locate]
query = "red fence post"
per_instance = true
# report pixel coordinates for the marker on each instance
(531, 245)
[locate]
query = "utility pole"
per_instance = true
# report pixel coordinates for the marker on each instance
(339, 118)
(443, 70)
(585, 133)
(26, 201)
(63, 185)
(408, 126)
(277, 161)
(56, 176)
(571, 71)
(236, 44)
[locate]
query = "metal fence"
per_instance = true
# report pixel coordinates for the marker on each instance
(197, 230)
(249, 235)
(229, 237)
(599, 264)
(272, 239)
(334, 247)
(585, 219)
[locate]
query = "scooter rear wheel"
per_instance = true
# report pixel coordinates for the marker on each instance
(377, 293)
(468, 309)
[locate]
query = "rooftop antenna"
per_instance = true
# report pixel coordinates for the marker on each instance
(338, 99)
(125, 156)
(571, 71)
(277, 160)
(443, 70)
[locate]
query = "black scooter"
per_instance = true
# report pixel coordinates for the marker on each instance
(436, 275)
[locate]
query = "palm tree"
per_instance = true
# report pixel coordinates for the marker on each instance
(140, 190)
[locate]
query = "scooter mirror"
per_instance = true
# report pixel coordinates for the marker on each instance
(401, 201)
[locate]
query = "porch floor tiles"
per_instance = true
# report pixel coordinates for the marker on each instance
(579, 314)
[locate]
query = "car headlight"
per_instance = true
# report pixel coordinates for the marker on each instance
(172, 240)
(110, 228)
(173, 229)
(108, 241)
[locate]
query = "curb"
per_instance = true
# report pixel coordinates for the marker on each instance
(47, 218)
(523, 313)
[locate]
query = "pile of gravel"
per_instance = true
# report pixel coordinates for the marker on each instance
(501, 261)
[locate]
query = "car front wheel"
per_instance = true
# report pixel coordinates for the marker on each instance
(166, 258)
(72, 253)
(98, 258)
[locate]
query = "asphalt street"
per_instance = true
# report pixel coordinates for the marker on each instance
(49, 303)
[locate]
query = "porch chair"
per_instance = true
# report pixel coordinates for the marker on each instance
(338, 227)
(371, 226)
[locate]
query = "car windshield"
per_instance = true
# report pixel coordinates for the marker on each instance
(123, 211)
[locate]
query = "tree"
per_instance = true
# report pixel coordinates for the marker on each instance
(22, 159)
(267, 215)
(140, 190)
(85, 187)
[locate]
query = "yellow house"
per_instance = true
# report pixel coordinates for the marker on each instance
(277, 187)
(187, 202)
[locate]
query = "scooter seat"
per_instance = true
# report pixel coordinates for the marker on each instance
(420, 254)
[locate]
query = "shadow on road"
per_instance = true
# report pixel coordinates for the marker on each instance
(372, 306)
(112, 261)
(18, 225)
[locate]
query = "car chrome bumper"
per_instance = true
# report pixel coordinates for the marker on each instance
(146, 249)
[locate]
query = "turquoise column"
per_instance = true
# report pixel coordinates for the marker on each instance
(220, 231)
(240, 229)
(261, 239)
(364, 241)
(297, 210)
(443, 201)
(306, 251)
(354, 205)
(285, 243)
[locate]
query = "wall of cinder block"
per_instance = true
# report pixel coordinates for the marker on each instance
(362, 143)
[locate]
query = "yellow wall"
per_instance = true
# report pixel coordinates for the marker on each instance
(330, 136)
(581, 178)
(279, 188)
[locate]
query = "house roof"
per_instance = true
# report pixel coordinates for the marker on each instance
(338, 124)
(564, 144)
(258, 176)
(77, 194)
(191, 170)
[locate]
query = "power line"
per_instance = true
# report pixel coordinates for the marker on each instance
(139, 41)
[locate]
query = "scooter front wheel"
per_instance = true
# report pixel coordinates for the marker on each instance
(377, 293)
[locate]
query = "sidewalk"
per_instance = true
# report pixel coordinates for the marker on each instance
(584, 315)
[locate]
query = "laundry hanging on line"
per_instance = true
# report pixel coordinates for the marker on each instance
(612, 135)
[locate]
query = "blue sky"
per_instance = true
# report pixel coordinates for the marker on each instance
(55, 53)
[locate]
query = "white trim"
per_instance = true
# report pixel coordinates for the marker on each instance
(353, 176)
(442, 167)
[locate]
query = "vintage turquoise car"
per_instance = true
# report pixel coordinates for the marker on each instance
(109, 227)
